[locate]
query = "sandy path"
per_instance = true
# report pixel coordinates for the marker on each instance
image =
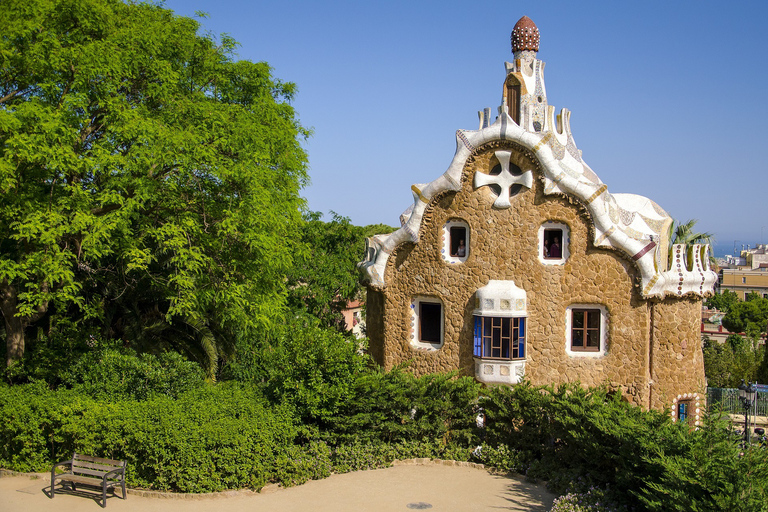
(400, 488)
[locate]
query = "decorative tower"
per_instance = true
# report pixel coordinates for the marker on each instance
(525, 97)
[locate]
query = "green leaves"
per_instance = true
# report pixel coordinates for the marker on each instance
(139, 161)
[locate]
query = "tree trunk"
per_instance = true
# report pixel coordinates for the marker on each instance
(14, 338)
(14, 324)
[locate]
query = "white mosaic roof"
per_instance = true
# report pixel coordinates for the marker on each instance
(629, 223)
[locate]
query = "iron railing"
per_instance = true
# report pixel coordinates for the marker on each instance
(728, 399)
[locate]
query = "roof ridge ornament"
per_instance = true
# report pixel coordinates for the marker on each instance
(525, 36)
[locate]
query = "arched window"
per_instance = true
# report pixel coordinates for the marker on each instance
(512, 95)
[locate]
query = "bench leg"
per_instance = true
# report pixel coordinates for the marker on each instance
(103, 496)
(123, 485)
(53, 482)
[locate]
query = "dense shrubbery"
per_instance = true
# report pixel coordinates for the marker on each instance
(581, 440)
(209, 439)
(589, 443)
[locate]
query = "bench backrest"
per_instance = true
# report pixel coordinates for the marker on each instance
(95, 466)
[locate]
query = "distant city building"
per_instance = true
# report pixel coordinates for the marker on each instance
(518, 263)
(746, 273)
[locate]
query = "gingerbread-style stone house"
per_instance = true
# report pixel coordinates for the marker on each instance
(519, 263)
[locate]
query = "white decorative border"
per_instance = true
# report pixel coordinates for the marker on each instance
(565, 242)
(616, 218)
(415, 342)
(695, 400)
(445, 251)
(603, 331)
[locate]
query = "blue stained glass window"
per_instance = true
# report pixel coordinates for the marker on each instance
(499, 337)
(682, 411)
(478, 336)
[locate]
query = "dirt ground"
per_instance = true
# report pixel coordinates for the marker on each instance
(399, 488)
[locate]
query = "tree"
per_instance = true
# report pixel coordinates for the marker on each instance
(139, 159)
(723, 301)
(327, 279)
(726, 364)
(750, 317)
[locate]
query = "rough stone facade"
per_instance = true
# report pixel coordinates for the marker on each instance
(508, 182)
(677, 361)
(589, 276)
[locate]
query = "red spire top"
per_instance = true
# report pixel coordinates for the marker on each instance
(525, 35)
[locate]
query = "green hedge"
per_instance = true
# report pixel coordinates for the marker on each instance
(210, 439)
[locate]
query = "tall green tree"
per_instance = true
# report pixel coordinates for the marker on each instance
(750, 317)
(723, 301)
(327, 278)
(138, 158)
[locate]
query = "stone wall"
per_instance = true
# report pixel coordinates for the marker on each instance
(677, 362)
(504, 245)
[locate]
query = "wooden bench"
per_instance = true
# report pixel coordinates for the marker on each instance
(104, 473)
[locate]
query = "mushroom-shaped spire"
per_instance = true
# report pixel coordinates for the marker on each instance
(525, 35)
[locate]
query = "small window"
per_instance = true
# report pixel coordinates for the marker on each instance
(553, 243)
(586, 330)
(686, 409)
(455, 247)
(499, 338)
(743, 280)
(427, 323)
(458, 241)
(513, 98)
(430, 322)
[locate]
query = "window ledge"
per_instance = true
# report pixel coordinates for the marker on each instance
(495, 371)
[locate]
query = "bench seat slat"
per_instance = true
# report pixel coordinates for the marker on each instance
(85, 480)
(93, 472)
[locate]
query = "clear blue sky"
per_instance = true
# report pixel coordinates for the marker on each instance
(668, 98)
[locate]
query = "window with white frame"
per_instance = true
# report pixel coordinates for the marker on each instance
(586, 330)
(455, 247)
(499, 338)
(553, 243)
(427, 318)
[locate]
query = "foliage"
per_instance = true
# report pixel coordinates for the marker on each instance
(310, 368)
(396, 407)
(210, 439)
(327, 280)
(726, 364)
(711, 473)
(593, 500)
(723, 301)
(144, 172)
(50, 355)
(750, 317)
(590, 439)
(114, 374)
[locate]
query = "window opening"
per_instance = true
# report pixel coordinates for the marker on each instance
(499, 337)
(585, 330)
(513, 100)
(430, 320)
(553, 244)
(458, 241)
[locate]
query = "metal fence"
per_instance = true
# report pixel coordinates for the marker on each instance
(728, 399)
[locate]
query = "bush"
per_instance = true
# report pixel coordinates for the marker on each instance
(122, 374)
(310, 368)
(209, 439)
(394, 407)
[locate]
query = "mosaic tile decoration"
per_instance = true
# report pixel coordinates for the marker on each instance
(625, 222)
